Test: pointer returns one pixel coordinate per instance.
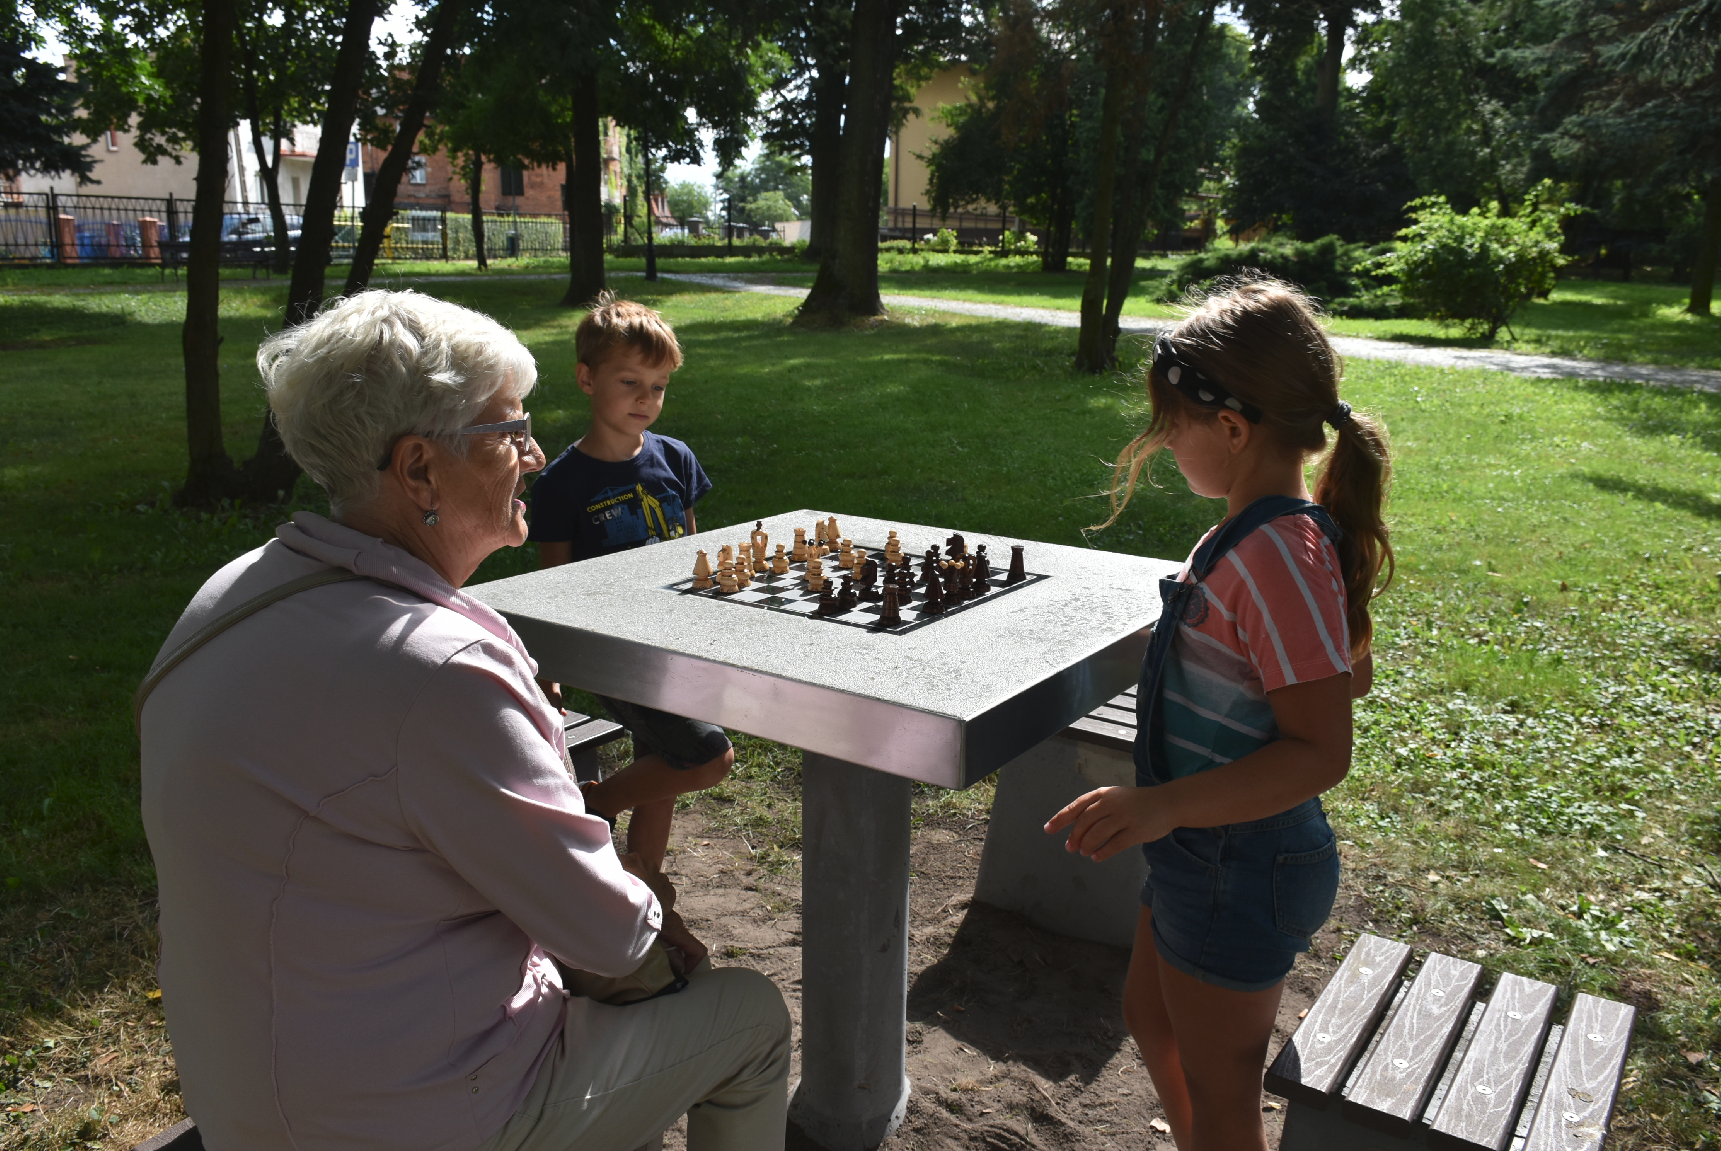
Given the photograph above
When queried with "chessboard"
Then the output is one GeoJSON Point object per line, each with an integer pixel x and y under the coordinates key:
{"type": "Point", "coordinates": [789, 593]}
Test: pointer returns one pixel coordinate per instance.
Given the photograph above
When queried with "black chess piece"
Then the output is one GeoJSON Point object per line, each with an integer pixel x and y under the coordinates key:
{"type": "Point", "coordinates": [953, 581]}
{"type": "Point", "coordinates": [827, 604]}
{"type": "Point", "coordinates": [956, 547]}
{"type": "Point", "coordinates": [929, 568]}
{"type": "Point", "coordinates": [1018, 572]}
{"type": "Point", "coordinates": [934, 604]}
{"type": "Point", "coordinates": [869, 582]}
{"type": "Point", "coordinates": [890, 616]}
{"type": "Point", "coordinates": [847, 599]}
{"type": "Point", "coordinates": [982, 572]}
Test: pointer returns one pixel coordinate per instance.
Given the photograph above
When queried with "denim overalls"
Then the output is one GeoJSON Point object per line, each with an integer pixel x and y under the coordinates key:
{"type": "Point", "coordinates": [1232, 905]}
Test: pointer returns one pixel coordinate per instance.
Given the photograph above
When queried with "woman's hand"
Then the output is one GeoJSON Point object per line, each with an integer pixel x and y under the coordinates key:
{"type": "Point", "coordinates": [676, 937]}
{"type": "Point", "coordinates": [1104, 822]}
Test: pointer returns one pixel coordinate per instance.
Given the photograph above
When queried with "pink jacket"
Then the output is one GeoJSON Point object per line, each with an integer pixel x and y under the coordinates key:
{"type": "Point", "coordinates": [366, 843]}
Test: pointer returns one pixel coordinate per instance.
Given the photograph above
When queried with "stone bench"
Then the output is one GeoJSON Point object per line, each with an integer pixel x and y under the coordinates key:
{"type": "Point", "coordinates": [1023, 869]}
{"type": "Point", "coordinates": [585, 735]}
{"type": "Point", "coordinates": [1382, 1062]}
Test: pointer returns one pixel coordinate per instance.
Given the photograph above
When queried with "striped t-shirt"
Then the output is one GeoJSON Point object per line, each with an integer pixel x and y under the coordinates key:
{"type": "Point", "coordinates": [1274, 615]}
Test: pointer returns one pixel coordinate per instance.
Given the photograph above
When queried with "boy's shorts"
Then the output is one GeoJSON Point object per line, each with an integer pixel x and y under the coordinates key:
{"type": "Point", "coordinates": [1233, 905]}
{"type": "Point", "coordinates": [683, 743]}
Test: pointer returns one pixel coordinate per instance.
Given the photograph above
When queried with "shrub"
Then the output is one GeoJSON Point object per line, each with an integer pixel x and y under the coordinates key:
{"type": "Point", "coordinates": [944, 240]}
{"type": "Point", "coordinates": [1020, 242]}
{"type": "Point", "coordinates": [1473, 270]}
{"type": "Point", "coordinates": [1328, 269]}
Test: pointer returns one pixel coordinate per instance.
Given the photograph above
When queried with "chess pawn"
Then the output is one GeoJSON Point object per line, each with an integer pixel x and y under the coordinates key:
{"type": "Point", "coordinates": [799, 554]}
{"type": "Point", "coordinates": [725, 555]}
{"type": "Point", "coordinates": [815, 573]}
{"type": "Point", "coordinates": [780, 562]}
{"type": "Point", "coordinates": [743, 568]}
{"type": "Point", "coordinates": [846, 601]}
{"type": "Point", "coordinates": [859, 561]}
{"type": "Point", "coordinates": [1018, 572]}
{"type": "Point", "coordinates": [845, 554]}
{"type": "Point", "coordinates": [761, 542]}
{"type": "Point", "coordinates": [827, 605]}
{"type": "Point", "coordinates": [726, 579]}
{"type": "Point", "coordinates": [893, 549]}
{"type": "Point", "coordinates": [702, 572]}
{"type": "Point", "coordinates": [832, 535]}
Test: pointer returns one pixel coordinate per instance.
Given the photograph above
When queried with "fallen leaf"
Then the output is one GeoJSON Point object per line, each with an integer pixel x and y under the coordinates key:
{"type": "Point", "coordinates": [106, 1059]}
{"type": "Point", "coordinates": [1694, 1057]}
{"type": "Point", "coordinates": [1160, 1125]}
{"type": "Point", "coordinates": [24, 1109]}
{"type": "Point", "coordinates": [1538, 863]}
{"type": "Point", "coordinates": [156, 994]}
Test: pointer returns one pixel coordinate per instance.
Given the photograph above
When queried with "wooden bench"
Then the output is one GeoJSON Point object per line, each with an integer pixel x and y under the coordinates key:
{"type": "Point", "coordinates": [1023, 869]}
{"type": "Point", "coordinates": [1384, 1062]}
{"type": "Point", "coordinates": [585, 735]}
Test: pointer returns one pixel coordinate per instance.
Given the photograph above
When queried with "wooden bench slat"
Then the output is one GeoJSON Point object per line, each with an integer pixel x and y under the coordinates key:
{"type": "Point", "coordinates": [182, 1136]}
{"type": "Point", "coordinates": [1578, 1101]}
{"type": "Point", "coordinates": [1480, 1112]}
{"type": "Point", "coordinates": [591, 733]}
{"type": "Point", "coordinates": [1103, 733]}
{"type": "Point", "coordinates": [1115, 715]}
{"type": "Point", "coordinates": [1393, 1087]}
{"type": "Point", "coordinates": [1312, 1065]}
{"type": "Point", "coordinates": [1126, 701]}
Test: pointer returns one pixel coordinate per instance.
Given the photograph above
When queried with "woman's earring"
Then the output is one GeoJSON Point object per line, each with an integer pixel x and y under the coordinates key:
{"type": "Point", "coordinates": [430, 518]}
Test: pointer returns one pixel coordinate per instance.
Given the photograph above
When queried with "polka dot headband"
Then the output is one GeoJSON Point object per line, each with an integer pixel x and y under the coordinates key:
{"type": "Point", "coordinates": [1197, 387]}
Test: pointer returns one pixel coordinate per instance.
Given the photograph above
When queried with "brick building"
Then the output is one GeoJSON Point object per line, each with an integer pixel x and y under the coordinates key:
{"type": "Point", "coordinates": [433, 181]}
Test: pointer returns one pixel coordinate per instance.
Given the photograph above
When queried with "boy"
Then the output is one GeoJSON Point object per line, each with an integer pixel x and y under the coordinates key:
{"type": "Point", "coordinates": [623, 486]}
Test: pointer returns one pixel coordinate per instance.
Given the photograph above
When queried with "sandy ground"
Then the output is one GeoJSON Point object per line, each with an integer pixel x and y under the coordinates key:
{"type": "Point", "coordinates": [1016, 1038]}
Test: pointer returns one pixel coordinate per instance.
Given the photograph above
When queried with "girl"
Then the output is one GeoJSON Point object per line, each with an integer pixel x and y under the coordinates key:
{"type": "Point", "coordinates": [1244, 707]}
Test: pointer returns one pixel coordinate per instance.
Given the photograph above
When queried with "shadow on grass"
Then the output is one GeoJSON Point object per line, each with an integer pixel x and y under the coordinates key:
{"type": "Point", "coordinates": [28, 325]}
{"type": "Point", "coordinates": [1658, 413]}
{"type": "Point", "coordinates": [1697, 503]}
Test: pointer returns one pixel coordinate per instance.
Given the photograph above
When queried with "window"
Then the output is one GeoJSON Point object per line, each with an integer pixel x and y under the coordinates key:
{"type": "Point", "coordinates": [417, 170]}
{"type": "Point", "coordinates": [513, 182]}
{"type": "Point", "coordinates": [298, 197]}
{"type": "Point", "coordinates": [113, 140]}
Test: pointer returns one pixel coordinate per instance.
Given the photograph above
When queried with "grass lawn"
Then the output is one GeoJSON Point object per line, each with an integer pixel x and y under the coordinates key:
{"type": "Point", "coordinates": [1536, 783]}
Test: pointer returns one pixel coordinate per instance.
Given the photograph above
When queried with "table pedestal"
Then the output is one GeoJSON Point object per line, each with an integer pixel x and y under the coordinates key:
{"type": "Point", "coordinates": [854, 954]}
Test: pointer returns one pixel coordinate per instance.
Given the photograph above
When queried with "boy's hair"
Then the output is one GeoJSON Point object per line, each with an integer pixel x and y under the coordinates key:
{"type": "Point", "coordinates": [1262, 340]}
{"type": "Point", "coordinates": [612, 323]}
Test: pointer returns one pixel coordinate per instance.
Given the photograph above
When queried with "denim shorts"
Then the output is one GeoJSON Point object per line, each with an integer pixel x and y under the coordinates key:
{"type": "Point", "coordinates": [1233, 905]}
{"type": "Point", "coordinates": [683, 743]}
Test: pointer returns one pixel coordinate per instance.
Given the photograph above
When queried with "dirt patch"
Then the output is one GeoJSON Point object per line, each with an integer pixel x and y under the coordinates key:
{"type": "Point", "coordinates": [1016, 1037]}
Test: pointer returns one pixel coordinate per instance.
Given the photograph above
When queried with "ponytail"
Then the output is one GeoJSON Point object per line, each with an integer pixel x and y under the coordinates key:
{"type": "Point", "coordinates": [1352, 487]}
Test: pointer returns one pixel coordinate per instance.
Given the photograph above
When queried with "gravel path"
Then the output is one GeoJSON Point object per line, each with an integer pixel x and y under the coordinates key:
{"type": "Point", "coordinates": [1356, 347]}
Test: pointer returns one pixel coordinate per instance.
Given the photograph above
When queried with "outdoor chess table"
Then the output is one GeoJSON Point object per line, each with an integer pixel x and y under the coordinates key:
{"type": "Point", "coordinates": [946, 702]}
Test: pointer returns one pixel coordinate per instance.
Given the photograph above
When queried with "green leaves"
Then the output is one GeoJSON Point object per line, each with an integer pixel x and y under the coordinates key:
{"type": "Point", "coordinates": [1473, 270]}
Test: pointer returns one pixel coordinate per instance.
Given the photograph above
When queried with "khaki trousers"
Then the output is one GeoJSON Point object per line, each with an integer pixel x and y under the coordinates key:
{"type": "Point", "coordinates": [717, 1052]}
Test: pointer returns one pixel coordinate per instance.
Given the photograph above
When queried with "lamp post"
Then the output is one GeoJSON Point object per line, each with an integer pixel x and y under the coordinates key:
{"type": "Point", "coordinates": [650, 211]}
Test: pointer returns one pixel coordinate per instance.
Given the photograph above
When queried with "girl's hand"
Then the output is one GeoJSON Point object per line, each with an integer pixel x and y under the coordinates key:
{"type": "Point", "coordinates": [1105, 822]}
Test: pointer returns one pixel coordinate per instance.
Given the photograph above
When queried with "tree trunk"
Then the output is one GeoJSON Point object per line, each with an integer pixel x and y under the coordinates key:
{"type": "Point", "coordinates": [210, 476]}
{"type": "Point", "coordinates": [1055, 246]}
{"type": "Point", "coordinates": [585, 197]}
{"type": "Point", "coordinates": [1139, 197]}
{"type": "Point", "coordinates": [1332, 62]}
{"type": "Point", "coordinates": [271, 473]}
{"type": "Point", "coordinates": [476, 186]}
{"type": "Point", "coordinates": [1129, 213]}
{"type": "Point", "coordinates": [1090, 343]}
{"type": "Point", "coordinates": [847, 283]}
{"type": "Point", "coordinates": [650, 209]}
{"type": "Point", "coordinates": [379, 210]}
{"type": "Point", "coordinates": [826, 153]}
{"type": "Point", "coordinates": [271, 169]}
{"type": "Point", "coordinates": [1703, 269]}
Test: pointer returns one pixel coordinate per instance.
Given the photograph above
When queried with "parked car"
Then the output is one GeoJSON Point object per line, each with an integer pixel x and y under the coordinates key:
{"type": "Point", "coordinates": [246, 237]}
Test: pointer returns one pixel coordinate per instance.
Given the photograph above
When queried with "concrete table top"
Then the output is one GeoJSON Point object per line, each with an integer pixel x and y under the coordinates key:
{"type": "Point", "coordinates": [946, 703]}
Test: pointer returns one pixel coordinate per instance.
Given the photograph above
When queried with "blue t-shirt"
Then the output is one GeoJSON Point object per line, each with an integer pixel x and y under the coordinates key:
{"type": "Point", "coordinates": [604, 507]}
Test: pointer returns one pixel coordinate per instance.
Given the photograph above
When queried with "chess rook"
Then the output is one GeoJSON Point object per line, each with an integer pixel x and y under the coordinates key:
{"type": "Point", "coordinates": [1018, 570]}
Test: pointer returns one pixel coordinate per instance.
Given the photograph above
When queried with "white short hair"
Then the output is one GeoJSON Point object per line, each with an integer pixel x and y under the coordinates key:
{"type": "Point", "coordinates": [366, 370]}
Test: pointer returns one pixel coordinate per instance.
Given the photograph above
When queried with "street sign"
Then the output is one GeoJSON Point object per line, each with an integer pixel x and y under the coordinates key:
{"type": "Point", "coordinates": [352, 153]}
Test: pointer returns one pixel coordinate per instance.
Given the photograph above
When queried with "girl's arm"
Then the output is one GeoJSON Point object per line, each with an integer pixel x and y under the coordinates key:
{"type": "Point", "coordinates": [1311, 755]}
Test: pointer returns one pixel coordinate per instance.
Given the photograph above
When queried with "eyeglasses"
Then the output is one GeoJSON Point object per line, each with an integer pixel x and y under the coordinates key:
{"type": "Point", "coordinates": [519, 433]}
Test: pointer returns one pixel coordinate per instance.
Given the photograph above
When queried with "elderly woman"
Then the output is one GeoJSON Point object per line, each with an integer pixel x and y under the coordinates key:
{"type": "Point", "coordinates": [368, 846]}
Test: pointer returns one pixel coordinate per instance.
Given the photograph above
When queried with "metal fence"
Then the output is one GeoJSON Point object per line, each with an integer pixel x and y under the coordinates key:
{"type": "Point", "coordinates": [48, 228]}
{"type": "Point", "coordinates": [973, 228]}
